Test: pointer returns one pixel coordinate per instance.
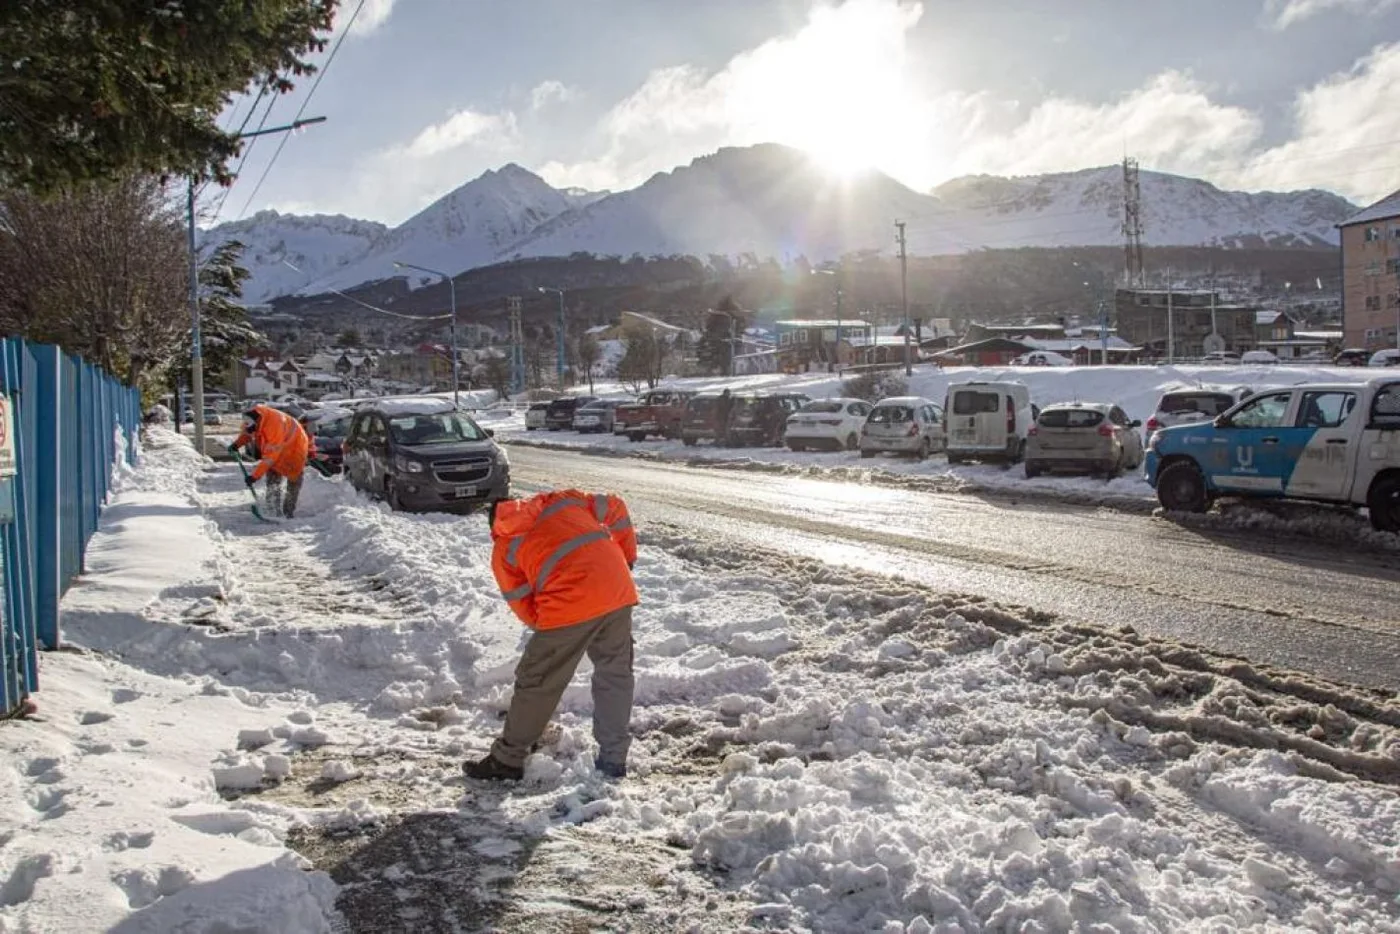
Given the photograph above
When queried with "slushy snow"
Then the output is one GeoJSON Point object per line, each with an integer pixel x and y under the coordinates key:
{"type": "Point", "coordinates": [816, 749]}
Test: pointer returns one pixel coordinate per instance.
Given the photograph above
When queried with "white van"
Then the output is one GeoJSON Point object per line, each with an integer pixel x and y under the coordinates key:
{"type": "Point", "coordinates": [987, 421]}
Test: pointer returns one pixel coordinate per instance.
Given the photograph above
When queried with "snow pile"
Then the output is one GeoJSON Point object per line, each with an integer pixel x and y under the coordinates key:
{"type": "Point", "coordinates": [849, 751]}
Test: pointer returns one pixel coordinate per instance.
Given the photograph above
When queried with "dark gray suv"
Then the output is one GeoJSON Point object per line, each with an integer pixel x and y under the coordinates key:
{"type": "Point", "coordinates": [422, 454]}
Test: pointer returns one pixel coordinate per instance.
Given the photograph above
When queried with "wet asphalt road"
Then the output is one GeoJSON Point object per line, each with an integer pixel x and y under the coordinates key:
{"type": "Point", "coordinates": [1314, 607]}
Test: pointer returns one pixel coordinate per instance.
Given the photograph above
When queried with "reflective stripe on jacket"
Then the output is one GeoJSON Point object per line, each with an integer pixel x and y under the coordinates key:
{"type": "Point", "coordinates": [557, 563]}
{"type": "Point", "coordinates": [283, 444]}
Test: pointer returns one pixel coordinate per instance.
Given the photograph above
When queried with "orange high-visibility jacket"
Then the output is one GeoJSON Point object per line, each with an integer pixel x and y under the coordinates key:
{"type": "Point", "coordinates": [564, 557]}
{"type": "Point", "coordinates": [283, 444]}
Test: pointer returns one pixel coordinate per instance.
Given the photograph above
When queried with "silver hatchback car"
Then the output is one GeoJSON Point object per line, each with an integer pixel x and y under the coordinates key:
{"type": "Point", "coordinates": [903, 425]}
{"type": "Point", "coordinates": [1085, 437]}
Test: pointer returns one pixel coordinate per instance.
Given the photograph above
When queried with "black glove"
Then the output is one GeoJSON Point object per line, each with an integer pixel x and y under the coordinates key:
{"type": "Point", "coordinates": [233, 449]}
{"type": "Point", "coordinates": [250, 481]}
{"type": "Point", "coordinates": [631, 565]}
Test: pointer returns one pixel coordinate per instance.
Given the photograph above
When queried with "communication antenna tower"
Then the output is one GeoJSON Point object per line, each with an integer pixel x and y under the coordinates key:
{"type": "Point", "coordinates": [1132, 225]}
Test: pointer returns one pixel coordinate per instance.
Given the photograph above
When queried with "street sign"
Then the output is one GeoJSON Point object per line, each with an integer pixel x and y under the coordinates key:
{"type": "Point", "coordinates": [1213, 343]}
{"type": "Point", "coordinates": [8, 466]}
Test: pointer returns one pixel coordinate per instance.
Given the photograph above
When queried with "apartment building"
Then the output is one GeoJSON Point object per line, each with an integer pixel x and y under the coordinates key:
{"type": "Point", "coordinates": [1371, 275]}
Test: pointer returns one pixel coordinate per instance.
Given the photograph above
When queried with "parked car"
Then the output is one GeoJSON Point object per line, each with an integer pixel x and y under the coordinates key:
{"type": "Point", "coordinates": [659, 412]}
{"type": "Point", "coordinates": [1352, 356]}
{"type": "Point", "coordinates": [212, 416]}
{"type": "Point", "coordinates": [422, 454]}
{"type": "Point", "coordinates": [1258, 357]}
{"type": "Point", "coordinates": [1083, 437]}
{"type": "Point", "coordinates": [560, 414]}
{"type": "Point", "coordinates": [760, 419]}
{"type": "Point", "coordinates": [1042, 358]}
{"type": "Point", "coordinates": [700, 422]}
{"type": "Point", "coordinates": [903, 425]}
{"type": "Point", "coordinates": [328, 427]}
{"type": "Point", "coordinates": [534, 415]}
{"type": "Point", "coordinates": [988, 421]}
{"type": "Point", "coordinates": [833, 423]}
{"type": "Point", "coordinates": [1221, 356]}
{"type": "Point", "coordinates": [596, 416]}
{"type": "Point", "coordinates": [1385, 358]}
{"type": "Point", "coordinates": [1179, 406]}
{"type": "Point", "coordinates": [1335, 443]}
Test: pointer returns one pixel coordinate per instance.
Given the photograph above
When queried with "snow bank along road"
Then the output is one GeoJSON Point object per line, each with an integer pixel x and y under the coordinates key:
{"type": "Point", "coordinates": [818, 747]}
{"type": "Point", "coordinates": [1325, 607]}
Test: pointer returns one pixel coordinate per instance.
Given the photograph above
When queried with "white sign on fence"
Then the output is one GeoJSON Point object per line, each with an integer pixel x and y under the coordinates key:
{"type": "Point", "coordinates": [8, 467]}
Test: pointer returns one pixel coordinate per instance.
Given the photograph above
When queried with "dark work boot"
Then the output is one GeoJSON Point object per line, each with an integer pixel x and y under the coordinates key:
{"type": "Point", "coordinates": [492, 769]}
{"type": "Point", "coordinates": [611, 769]}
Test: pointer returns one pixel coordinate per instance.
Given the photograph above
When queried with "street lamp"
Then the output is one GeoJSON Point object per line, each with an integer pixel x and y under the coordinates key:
{"type": "Point", "coordinates": [559, 363]}
{"type": "Point", "coordinates": [196, 337]}
{"type": "Point", "coordinates": [452, 290]}
{"type": "Point", "coordinates": [837, 274]}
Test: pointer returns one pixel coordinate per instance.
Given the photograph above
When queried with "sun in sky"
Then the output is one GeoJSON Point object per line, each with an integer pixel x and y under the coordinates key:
{"type": "Point", "coordinates": [837, 89]}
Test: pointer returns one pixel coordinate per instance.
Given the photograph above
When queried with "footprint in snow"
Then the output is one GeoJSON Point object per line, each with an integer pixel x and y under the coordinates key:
{"type": "Point", "coordinates": [125, 695]}
{"type": "Point", "coordinates": [19, 887]}
{"type": "Point", "coordinates": [91, 717]}
{"type": "Point", "coordinates": [128, 840]}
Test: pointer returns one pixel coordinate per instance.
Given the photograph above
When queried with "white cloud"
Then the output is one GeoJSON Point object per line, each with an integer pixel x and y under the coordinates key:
{"type": "Point", "coordinates": [550, 92]}
{"type": "Point", "coordinates": [1345, 135]}
{"type": "Point", "coordinates": [1284, 13]}
{"type": "Point", "coordinates": [394, 182]}
{"type": "Point", "coordinates": [374, 14]}
{"type": "Point", "coordinates": [841, 86]}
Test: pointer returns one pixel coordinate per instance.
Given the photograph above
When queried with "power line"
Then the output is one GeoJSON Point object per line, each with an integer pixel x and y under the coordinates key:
{"type": "Point", "coordinates": [302, 109]}
{"type": "Point", "coordinates": [375, 308]}
{"type": "Point", "coordinates": [247, 150]}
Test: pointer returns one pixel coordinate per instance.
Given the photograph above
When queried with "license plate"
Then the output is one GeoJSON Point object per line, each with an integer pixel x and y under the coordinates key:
{"type": "Point", "coordinates": [462, 491]}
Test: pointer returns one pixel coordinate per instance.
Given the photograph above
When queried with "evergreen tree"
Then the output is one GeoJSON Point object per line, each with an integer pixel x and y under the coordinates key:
{"type": "Point", "coordinates": [98, 89]}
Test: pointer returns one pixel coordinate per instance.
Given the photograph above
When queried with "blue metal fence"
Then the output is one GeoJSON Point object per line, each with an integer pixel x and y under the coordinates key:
{"type": "Point", "coordinates": [66, 414]}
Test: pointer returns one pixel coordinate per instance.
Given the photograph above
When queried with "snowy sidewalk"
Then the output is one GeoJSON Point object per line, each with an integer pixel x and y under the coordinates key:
{"type": "Point", "coordinates": [816, 749]}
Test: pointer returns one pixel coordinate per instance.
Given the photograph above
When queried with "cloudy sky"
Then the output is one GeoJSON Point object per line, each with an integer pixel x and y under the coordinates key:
{"type": "Point", "coordinates": [426, 94]}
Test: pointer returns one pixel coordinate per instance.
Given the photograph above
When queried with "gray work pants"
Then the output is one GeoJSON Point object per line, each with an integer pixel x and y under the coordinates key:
{"type": "Point", "coordinates": [545, 669]}
{"type": "Point", "coordinates": [280, 502]}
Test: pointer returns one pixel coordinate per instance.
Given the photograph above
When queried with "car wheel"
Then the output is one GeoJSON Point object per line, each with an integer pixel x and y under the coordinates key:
{"type": "Point", "coordinates": [529, 427]}
{"type": "Point", "coordinates": [636, 436]}
{"type": "Point", "coordinates": [1181, 487]}
{"type": "Point", "coordinates": [955, 458]}
{"type": "Point", "coordinates": [925, 448]}
{"type": "Point", "coordinates": [1384, 503]}
{"type": "Point", "coordinates": [1115, 469]}
{"type": "Point", "coordinates": [1033, 470]}
{"type": "Point", "coordinates": [852, 442]}
{"type": "Point", "coordinates": [688, 442]}
{"type": "Point", "coordinates": [391, 495]}
{"type": "Point", "coordinates": [865, 453]}
{"type": "Point", "coordinates": [796, 446]}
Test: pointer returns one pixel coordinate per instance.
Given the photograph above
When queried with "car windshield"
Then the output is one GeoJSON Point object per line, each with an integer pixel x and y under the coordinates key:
{"type": "Point", "coordinates": [1186, 403]}
{"type": "Point", "coordinates": [975, 403]}
{"type": "Point", "coordinates": [821, 407]}
{"type": "Point", "coordinates": [701, 405]}
{"type": "Point", "coordinates": [1070, 418]}
{"type": "Point", "coordinates": [891, 414]}
{"type": "Point", "coordinates": [331, 427]}
{"type": "Point", "coordinates": [440, 428]}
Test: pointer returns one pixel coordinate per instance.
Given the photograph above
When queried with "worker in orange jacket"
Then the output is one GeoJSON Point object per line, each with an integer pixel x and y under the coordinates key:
{"type": "Point", "coordinates": [563, 561]}
{"type": "Point", "coordinates": [283, 446]}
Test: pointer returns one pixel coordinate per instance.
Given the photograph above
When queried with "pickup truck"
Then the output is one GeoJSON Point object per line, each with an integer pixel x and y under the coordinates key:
{"type": "Point", "coordinates": [658, 412]}
{"type": "Point", "coordinates": [1331, 443]}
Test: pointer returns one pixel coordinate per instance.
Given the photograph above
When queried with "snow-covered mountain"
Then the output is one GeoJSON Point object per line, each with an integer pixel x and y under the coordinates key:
{"type": "Point", "coordinates": [315, 245]}
{"type": "Point", "coordinates": [771, 201]}
{"type": "Point", "coordinates": [1085, 208]}
{"type": "Point", "coordinates": [469, 227]}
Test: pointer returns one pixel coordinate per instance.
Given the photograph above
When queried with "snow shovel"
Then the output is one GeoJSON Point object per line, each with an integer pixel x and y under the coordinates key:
{"type": "Point", "coordinates": [244, 470]}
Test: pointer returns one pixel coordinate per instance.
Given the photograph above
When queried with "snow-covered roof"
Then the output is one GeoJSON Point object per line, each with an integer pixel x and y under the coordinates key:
{"type": "Point", "coordinates": [1268, 317]}
{"type": "Point", "coordinates": [822, 323]}
{"type": "Point", "coordinates": [1386, 208]}
{"type": "Point", "coordinates": [412, 405]}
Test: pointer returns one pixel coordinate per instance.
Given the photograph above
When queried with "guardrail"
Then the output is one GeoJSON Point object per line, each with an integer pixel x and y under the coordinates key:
{"type": "Point", "coordinates": [65, 415]}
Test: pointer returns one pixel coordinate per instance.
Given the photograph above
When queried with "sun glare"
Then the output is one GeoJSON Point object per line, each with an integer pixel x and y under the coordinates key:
{"type": "Point", "coordinates": [836, 89]}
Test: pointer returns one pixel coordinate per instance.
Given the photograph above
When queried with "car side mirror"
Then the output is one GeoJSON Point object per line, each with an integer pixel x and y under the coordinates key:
{"type": "Point", "coordinates": [489, 432]}
{"type": "Point", "coordinates": [1220, 421]}
{"type": "Point", "coordinates": [1135, 423]}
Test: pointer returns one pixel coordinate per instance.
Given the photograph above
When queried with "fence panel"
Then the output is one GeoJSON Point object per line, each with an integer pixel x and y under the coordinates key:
{"type": "Point", "coordinates": [66, 414]}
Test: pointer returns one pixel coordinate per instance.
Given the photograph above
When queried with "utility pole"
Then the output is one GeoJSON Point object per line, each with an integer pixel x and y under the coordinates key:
{"type": "Point", "coordinates": [904, 294]}
{"type": "Point", "coordinates": [452, 292]}
{"type": "Point", "coordinates": [517, 344]}
{"type": "Point", "coordinates": [1171, 329]}
{"type": "Point", "coordinates": [196, 341]}
{"type": "Point", "coordinates": [732, 349]}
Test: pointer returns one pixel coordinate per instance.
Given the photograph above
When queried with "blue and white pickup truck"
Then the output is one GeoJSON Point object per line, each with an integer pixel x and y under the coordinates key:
{"type": "Point", "coordinates": [1329, 443]}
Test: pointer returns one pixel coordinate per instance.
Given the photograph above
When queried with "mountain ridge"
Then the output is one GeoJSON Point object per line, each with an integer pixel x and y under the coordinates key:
{"type": "Point", "coordinates": [770, 201]}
